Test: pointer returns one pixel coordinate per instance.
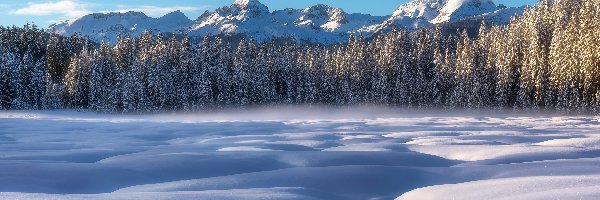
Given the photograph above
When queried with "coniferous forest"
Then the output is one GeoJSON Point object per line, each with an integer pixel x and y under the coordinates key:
{"type": "Point", "coordinates": [547, 59]}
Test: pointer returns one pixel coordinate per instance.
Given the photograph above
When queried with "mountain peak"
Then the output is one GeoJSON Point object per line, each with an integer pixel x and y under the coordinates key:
{"type": "Point", "coordinates": [177, 12]}
{"type": "Point", "coordinates": [175, 15]}
{"type": "Point", "coordinates": [319, 7]}
{"type": "Point", "coordinates": [250, 4]}
{"type": "Point", "coordinates": [247, 9]}
{"type": "Point", "coordinates": [321, 11]}
{"type": "Point", "coordinates": [420, 9]}
{"type": "Point", "coordinates": [175, 18]}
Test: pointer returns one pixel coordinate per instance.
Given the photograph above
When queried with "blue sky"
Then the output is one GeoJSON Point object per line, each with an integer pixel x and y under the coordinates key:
{"type": "Point", "coordinates": [46, 12]}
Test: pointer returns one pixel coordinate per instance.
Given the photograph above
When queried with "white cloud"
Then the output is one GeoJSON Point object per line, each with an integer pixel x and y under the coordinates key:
{"type": "Point", "coordinates": [71, 9]}
{"type": "Point", "coordinates": [155, 11]}
{"type": "Point", "coordinates": [66, 8]}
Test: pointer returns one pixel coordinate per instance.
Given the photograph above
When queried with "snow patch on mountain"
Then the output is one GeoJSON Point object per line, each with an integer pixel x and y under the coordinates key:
{"type": "Point", "coordinates": [454, 10]}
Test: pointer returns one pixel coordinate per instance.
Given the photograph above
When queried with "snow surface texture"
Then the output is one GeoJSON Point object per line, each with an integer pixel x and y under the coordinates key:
{"type": "Point", "coordinates": [305, 153]}
{"type": "Point", "coordinates": [316, 24]}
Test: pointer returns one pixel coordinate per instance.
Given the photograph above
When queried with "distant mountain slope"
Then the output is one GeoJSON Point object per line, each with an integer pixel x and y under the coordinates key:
{"type": "Point", "coordinates": [472, 24]}
{"type": "Point", "coordinates": [106, 27]}
{"type": "Point", "coordinates": [450, 15]}
{"type": "Point", "coordinates": [439, 11]}
{"type": "Point", "coordinates": [316, 24]}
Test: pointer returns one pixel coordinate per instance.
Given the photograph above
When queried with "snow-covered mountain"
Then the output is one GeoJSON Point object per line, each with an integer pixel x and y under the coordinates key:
{"type": "Point", "coordinates": [106, 27]}
{"type": "Point", "coordinates": [439, 11]}
{"type": "Point", "coordinates": [425, 13]}
{"type": "Point", "coordinates": [317, 24]}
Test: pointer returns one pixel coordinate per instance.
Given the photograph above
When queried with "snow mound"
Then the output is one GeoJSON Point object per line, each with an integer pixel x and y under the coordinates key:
{"type": "Point", "coordinates": [525, 188]}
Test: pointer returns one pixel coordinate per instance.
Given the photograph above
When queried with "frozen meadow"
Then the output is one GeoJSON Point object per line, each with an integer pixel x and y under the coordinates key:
{"type": "Point", "coordinates": [299, 153]}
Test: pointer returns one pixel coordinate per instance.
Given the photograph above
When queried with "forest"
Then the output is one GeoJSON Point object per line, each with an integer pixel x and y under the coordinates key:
{"type": "Point", "coordinates": [546, 59]}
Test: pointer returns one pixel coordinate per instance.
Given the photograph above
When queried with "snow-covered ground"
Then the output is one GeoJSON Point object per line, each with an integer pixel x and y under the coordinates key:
{"type": "Point", "coordinates": [303, 153]}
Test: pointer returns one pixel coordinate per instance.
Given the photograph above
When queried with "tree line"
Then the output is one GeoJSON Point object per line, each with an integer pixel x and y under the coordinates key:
{"type": "Point", "coordinates": [549, 58]}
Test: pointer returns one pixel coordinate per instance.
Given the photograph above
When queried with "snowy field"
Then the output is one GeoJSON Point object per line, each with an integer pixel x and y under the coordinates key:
{"type": "Point", "coordinates": [361, 153]}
